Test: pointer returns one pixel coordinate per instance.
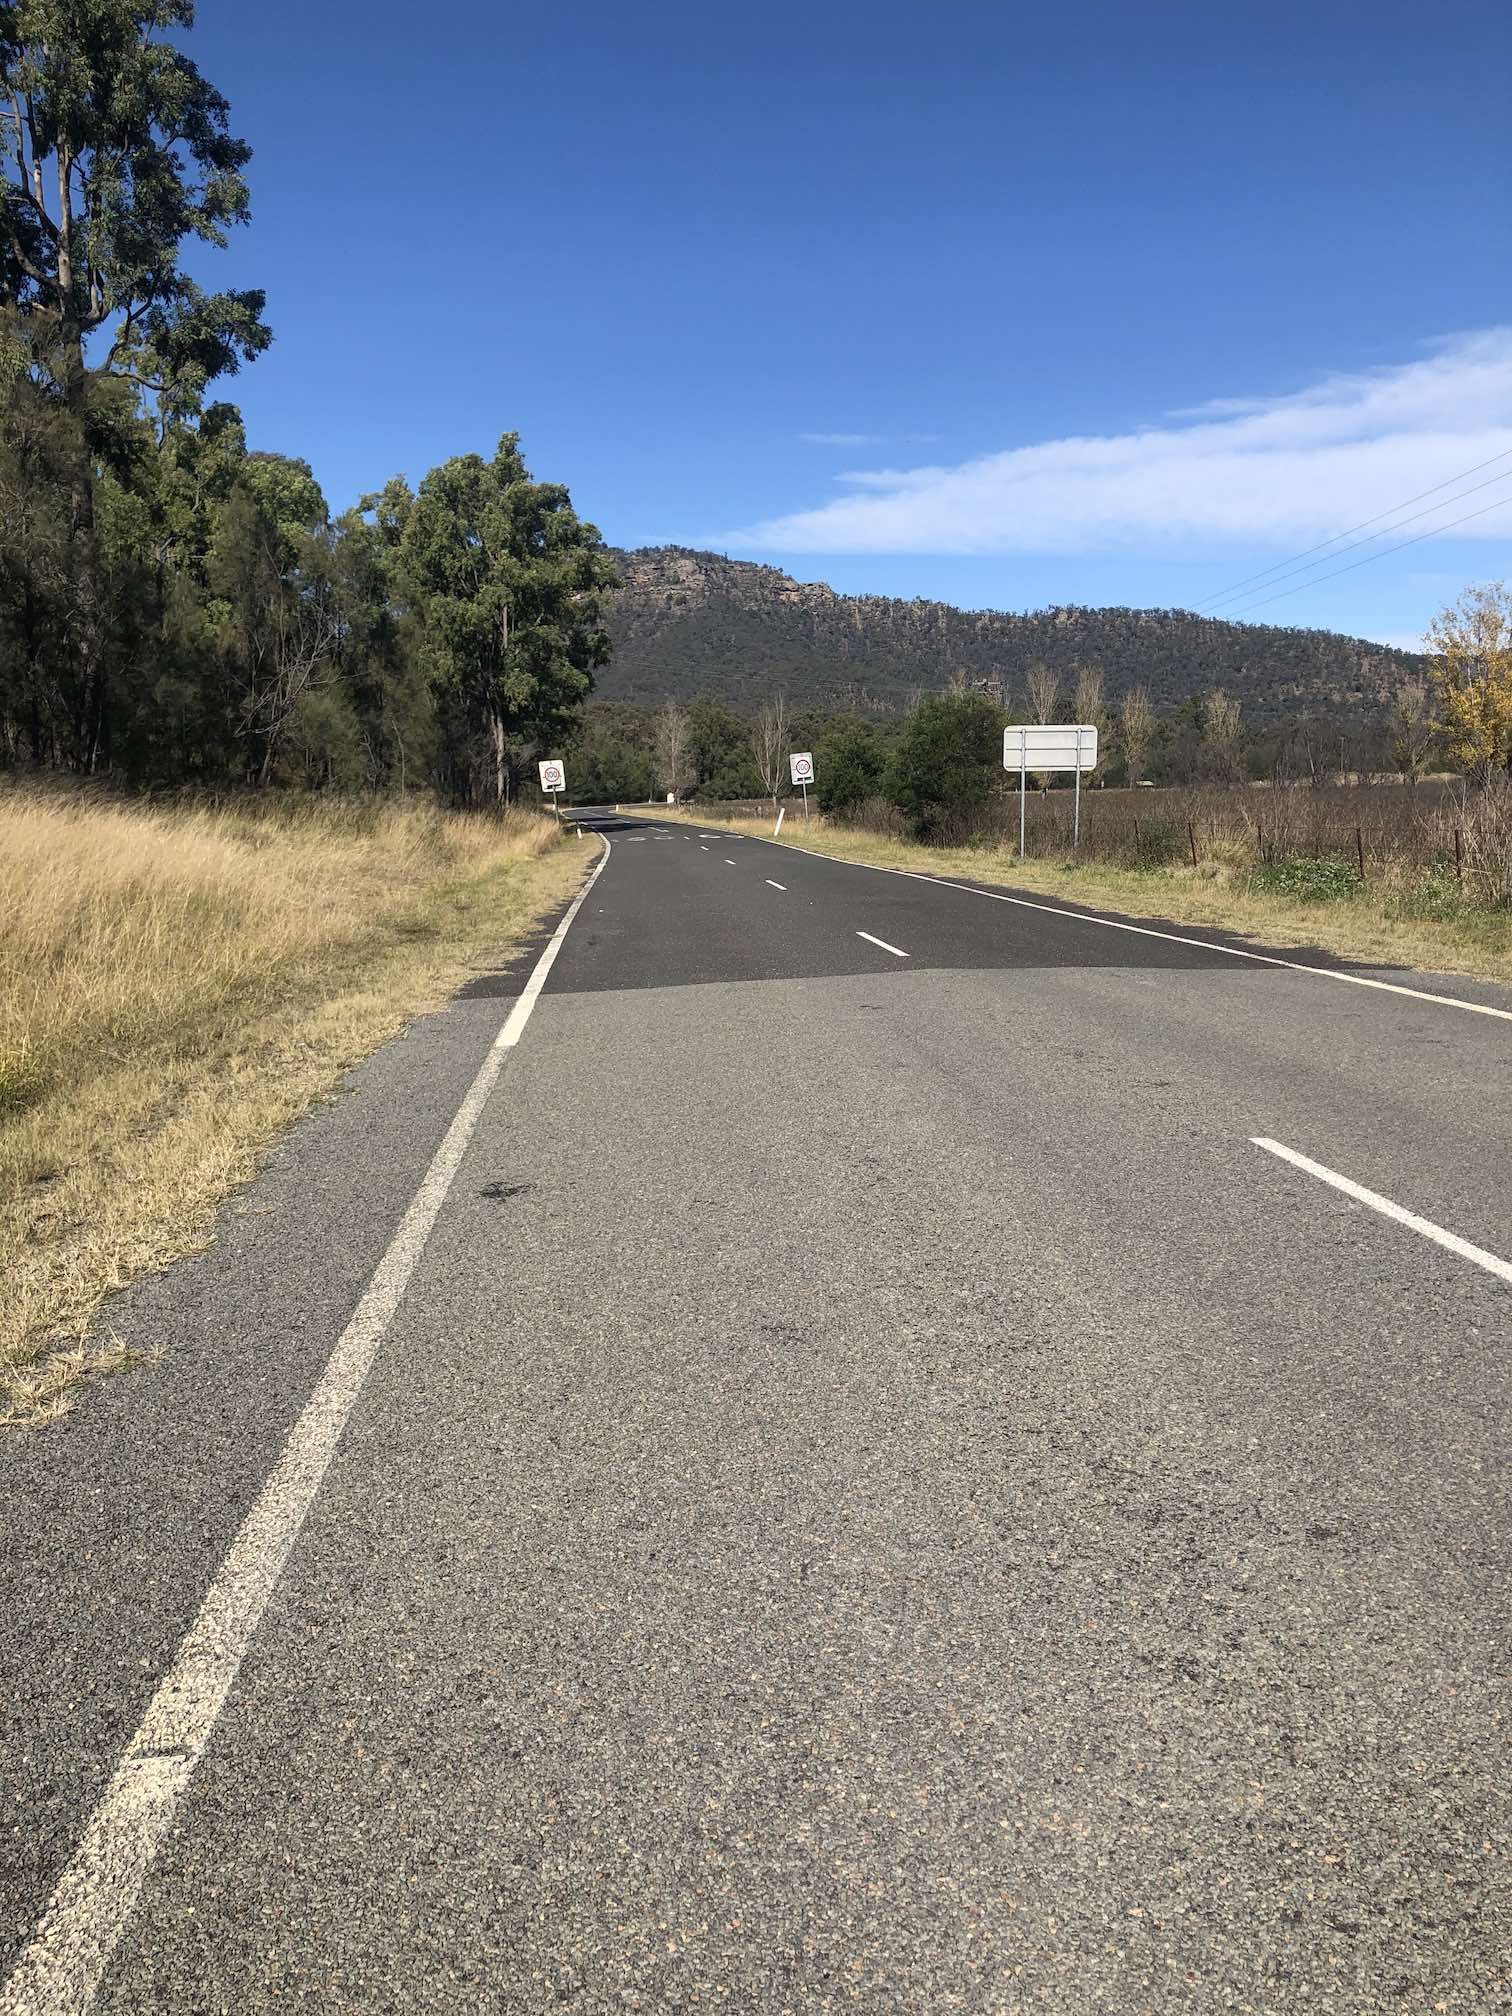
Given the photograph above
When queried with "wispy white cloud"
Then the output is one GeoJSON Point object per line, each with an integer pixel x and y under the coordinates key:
{"type": "Point", "coordinates": [864, 440]}
{"type": "Point", "coordinates": [1280, 471]}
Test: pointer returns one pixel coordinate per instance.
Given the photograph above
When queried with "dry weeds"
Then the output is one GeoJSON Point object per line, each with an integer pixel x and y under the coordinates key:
{"type": "Point", "coordinates": [177, 985]}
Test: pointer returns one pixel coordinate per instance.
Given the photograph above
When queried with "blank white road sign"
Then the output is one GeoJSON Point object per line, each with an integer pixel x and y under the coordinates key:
{"type": "Point", "coordinates": [802, 766]}
{"type": "Point", "coordinates": [553, 776]}
{"type": "Point", "coordinates": [1051, 747]}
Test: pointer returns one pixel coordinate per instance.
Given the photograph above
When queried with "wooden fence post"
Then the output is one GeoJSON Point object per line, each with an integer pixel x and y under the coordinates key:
{"type": "Point", "coordinates": [1459, 857]}
{"type": "Point", "coordinates": [1360, 851]}
{"type": "Point", "coordinates": [1192, 837]}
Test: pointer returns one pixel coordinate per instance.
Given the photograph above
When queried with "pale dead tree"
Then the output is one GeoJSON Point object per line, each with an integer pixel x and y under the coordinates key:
{"type": "Point", "coordinates": [1411, 729]}
{"type": "Point", "coordinates": [1044, 691]}
{"type": "Point", "coordinates": [672, 748]}
{"type": "Point", "coordinates": [1136, 731]}
{"type": "Point", "coordinates": [1092, 712]}
{"type": "Point", "coordinates": [769, 745]}
{"type": "Point", "coordinates": [1221, 738]}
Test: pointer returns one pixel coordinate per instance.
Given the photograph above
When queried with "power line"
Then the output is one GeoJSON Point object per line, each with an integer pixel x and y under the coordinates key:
{"type": "Point", "coordinates": [1475, 468]}
{"type": "Point", "coordinates": [1416, 540]}
{"type": "Point", "coordinates": [1442, 505]}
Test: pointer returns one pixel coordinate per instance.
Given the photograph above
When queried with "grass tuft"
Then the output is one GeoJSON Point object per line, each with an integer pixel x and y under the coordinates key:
{"type": "Point", "coordinates": [1304, 881]}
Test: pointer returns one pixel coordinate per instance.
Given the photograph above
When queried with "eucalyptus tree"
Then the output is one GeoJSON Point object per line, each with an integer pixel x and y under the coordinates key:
{"type": "Point", "coordinates": [511, 585]}
{"type": "Point", "coordinates": [114, 154]}
{"type": "Point", "coordinates": [381, 666]}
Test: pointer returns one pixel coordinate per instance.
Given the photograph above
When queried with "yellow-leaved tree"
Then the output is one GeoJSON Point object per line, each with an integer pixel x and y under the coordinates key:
{"type": "Point", "coordinates": [1472, 645]}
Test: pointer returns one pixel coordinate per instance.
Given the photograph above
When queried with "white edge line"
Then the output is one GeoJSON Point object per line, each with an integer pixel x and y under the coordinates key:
{"type": "Point", "coordinates": [776, 885]}
{"type": "Point", "coordinates": [896, 951]}
{"type": "Point", "coordinates": [1141, 931]}
{"type": "Point", "coordinates": [61, 1968]}
{"type": "Point", "coordinates": [1450, 1240]}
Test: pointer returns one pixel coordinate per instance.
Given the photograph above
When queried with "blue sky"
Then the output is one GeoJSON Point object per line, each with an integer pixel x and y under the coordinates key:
{"type": "Point", "coordinates": [1007, 305]}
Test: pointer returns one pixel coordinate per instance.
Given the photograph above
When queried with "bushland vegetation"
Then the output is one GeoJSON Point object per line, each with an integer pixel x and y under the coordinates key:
{"type": "Point", "coordinates": [177, 605]}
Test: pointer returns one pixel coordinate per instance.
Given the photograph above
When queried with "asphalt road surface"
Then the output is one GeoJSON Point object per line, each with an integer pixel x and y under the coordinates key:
{"type": "Point", "coordinates": [837, 1475]}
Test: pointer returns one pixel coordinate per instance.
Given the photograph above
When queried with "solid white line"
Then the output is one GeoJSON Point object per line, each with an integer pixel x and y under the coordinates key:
{"type": "Point", "coordinates": [1149, 931]}
{"type": "Point", "coordinates": [776, 885]}
{"type": "Point", "coordinates": [60, 1971]}
{"type": "Point", "coordinates": [883, 943]}
{"type": "Point", "coordinates": [1450, 1240]}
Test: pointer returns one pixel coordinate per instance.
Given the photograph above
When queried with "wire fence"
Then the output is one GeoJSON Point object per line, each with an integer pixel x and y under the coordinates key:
{"type": "Point", "coordinates": [1451, 835]}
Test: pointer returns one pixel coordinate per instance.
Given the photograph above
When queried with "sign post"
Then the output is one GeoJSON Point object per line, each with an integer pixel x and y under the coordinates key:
{"type": "Point", "coordinates": [801, 765]}
{"type": "Point", "coordinates": [554, 780]}
{"type": "Point", "coordinates": [1050, 747]}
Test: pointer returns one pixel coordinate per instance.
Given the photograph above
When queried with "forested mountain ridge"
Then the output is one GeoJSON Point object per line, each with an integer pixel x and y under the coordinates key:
{"type": "Point", "coordinates": [685, 623]}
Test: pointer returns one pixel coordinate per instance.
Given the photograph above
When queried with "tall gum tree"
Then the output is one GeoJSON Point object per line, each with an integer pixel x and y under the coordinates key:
{"type": "Point", "coordinates": [511, 583]}
{"type": "Point", "coordinates": [115, 152]}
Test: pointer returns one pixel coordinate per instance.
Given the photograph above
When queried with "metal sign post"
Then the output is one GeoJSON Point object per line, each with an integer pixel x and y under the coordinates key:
{"type": "Point", "coordinates": [801, 769]}
{"type": "Point", "coordinates": [1049, 746]}
{"type": "Point", "coordinates": [554, 780]}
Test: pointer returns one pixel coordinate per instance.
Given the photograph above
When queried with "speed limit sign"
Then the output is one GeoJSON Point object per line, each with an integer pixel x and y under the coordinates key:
{"type": "Point", "coordinates": [553, 776]}
{"type": "Point", "coordinates": [802, 766]}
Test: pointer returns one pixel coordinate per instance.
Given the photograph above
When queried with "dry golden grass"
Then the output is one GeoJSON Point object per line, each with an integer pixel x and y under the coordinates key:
{"type": "Point", "coordinates": [176, 986]}
{"type": "Point", "coordinates": [1378, 927]}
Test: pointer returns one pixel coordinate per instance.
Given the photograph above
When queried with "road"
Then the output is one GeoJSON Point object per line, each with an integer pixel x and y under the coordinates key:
{"type": "Point", "coordinates": [868, 1490]}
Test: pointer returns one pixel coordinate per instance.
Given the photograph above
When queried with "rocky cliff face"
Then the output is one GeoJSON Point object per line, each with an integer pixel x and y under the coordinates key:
{"type": "Point", "coordinates": [686, 623]}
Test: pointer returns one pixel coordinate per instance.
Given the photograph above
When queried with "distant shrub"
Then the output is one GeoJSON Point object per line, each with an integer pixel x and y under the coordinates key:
{"type": "Point", "coordinates": [1158, 843]}
{"type": "Point", "coordinates": [1307, 881]}
{"type": "Point", "coordinates": [1436, 897]}
{"type": "Point", "coordinates": [945, 764]}
{"type": "Point", "coordinates": [880, 815]}
{"type": "Point", "coordinates": [850, 763]}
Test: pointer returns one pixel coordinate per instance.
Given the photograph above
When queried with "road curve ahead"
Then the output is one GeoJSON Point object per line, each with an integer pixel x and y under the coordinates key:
{"type": "Point", "coordinates": [928, 1455]}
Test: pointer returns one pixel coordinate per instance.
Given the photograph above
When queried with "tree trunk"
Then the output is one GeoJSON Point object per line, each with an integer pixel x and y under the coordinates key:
{"type": "Point", "coordinates": [496, 730]}
{"type": "Point", "coordinates": [31, 633]}
{"type": "Point", "coordinates": [90, 716]}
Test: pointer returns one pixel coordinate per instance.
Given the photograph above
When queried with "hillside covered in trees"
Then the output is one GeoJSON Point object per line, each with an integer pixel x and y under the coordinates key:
{"type": "Point", "coordinates": [686, 623]}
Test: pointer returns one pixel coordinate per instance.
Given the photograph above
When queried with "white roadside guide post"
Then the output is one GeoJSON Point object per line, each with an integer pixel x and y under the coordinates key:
{"type": "Point", "coordinates": [554, 780]}
{"type": "Point", "coordinates": [802, 767]}
{"type": "Point", "coordinates": [1069, 746]}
